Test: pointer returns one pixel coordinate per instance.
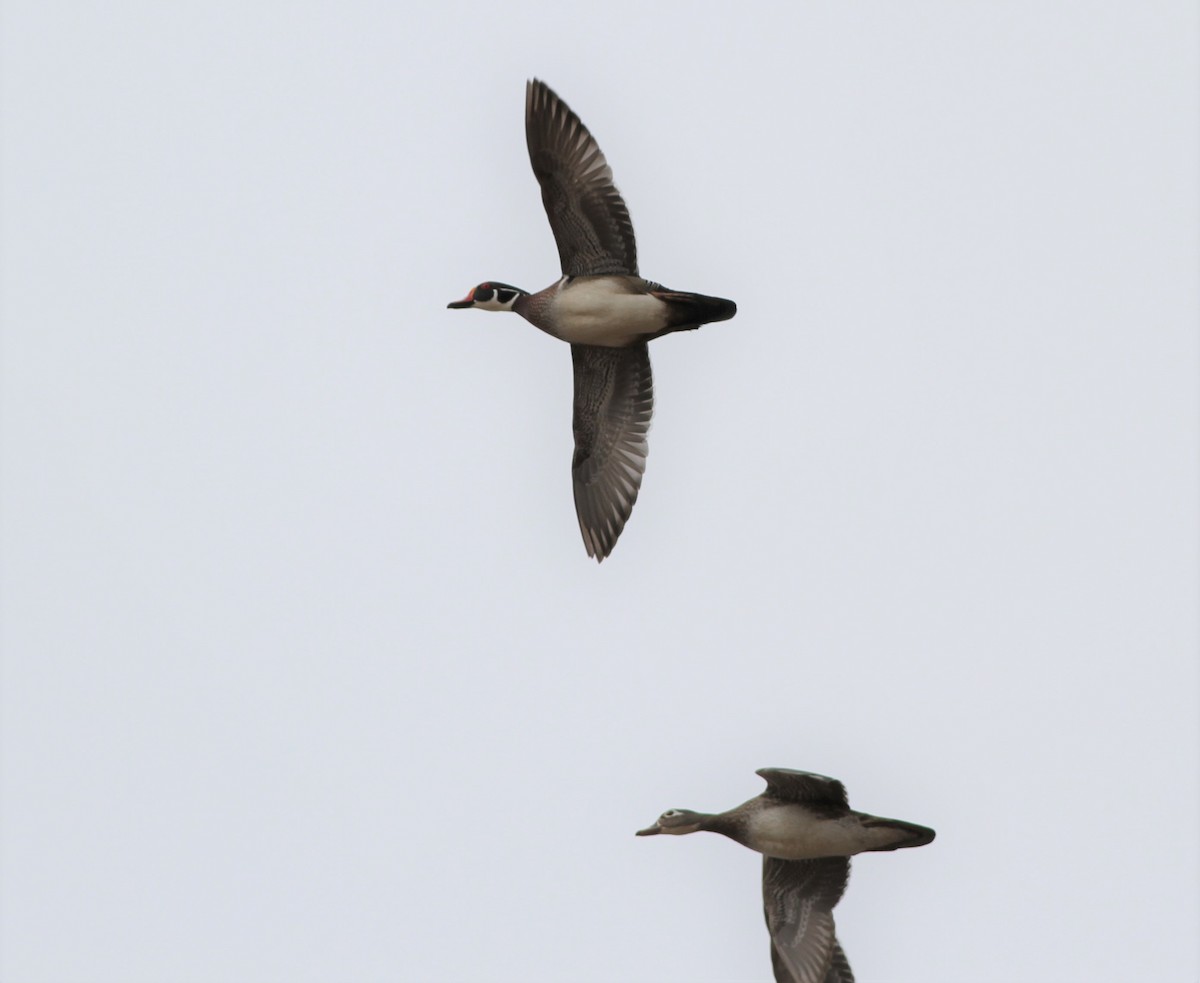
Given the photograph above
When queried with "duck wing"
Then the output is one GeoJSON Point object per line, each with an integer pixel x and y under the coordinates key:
{"type": "Point", "coordinates": [804, 787]}
{"type": "Point", "coordinates": [587, 214]}
{"type": "Point", "coordinates": [798, 901]}
{"type": "Point", "coordinates": [614, 400]}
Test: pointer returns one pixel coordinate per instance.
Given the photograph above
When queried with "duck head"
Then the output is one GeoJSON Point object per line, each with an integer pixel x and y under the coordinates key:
{"type": "Point", "coordinates": [491, 296]}
{"type": "Point", "coordinates": [675, 822]}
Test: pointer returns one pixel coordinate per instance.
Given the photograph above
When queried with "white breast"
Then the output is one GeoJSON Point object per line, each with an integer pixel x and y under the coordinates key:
{"type": "Point", "coordinates": [792, 833]}
{"type": "Point", "coordinates": [601, 312]}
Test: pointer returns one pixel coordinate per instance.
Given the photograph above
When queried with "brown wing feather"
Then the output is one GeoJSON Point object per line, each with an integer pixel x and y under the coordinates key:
{"type": "Point", "coordinates": [614, 400]}
{"type": "Point", "coordinates": [839, 967]}
{"type": "Point", "coordinates": [798, 901]}
{"type": "Point", "coordinates": [587, 214]}
{"type": "Point", "coordinates": [805, 787]}
{"type": "Point", "coordinates": [838, 972]}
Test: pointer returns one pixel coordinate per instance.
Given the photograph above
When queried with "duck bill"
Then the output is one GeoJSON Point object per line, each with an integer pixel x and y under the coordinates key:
{"type": "Point", "coordinates": [467, 301]}
{"type": "Point", "coordinates": [649, 831]}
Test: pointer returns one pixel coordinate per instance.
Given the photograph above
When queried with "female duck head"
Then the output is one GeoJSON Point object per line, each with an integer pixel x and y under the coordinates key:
{"type": "Point", "coordinates": [675, 822]}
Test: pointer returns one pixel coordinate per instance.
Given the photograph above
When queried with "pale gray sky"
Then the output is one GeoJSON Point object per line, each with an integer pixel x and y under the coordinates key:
{"type": "Point", "coordinates": [307, 676]}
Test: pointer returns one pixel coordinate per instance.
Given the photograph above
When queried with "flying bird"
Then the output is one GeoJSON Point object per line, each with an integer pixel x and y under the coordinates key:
{"type": "Point", "coordinates": [807, 832]}
{"type": "Point", "coordinates": [602, 308]}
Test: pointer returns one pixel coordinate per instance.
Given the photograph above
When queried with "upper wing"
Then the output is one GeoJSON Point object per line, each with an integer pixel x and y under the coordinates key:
{"type": "Point", "coordinates": [805, 787]}
{"type": "Point", "coordinates": [798, 901]}
{"type": "Point", "coordinates": [614, 399]}
{"type": "Point", "coordinates": [587, 214]}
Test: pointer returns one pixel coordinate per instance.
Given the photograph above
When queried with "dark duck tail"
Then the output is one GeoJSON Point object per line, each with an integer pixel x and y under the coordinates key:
{"type": "Point", "coordinates": [692, 310]}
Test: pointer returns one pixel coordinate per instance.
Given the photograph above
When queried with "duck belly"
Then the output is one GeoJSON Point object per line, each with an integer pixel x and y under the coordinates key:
{"type": "Point", "coordinates": [605, 312]}
{"type": "Point", "coordinates": [794, 834]}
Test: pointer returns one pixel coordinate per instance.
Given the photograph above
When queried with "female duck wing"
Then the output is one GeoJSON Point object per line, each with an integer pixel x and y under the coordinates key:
{"type": "Point", "coordinates": [804, 787]}
{"type": "Point", "coordinates": [798, 901]}
{"type": "Point", "coordinates": [614, 400]}
{"type": "Point", "coordinates": [587, 214]}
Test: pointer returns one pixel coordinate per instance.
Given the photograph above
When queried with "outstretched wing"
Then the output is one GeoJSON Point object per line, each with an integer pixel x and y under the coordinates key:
{"type": "Point", "coordinates": [587, 214]}
{"type": "Point", "coordinates": [798, 901]}
{"type": "Point", "coordinates": [614, 399]}
{"type": "Point", "coordinates": [805, 787]}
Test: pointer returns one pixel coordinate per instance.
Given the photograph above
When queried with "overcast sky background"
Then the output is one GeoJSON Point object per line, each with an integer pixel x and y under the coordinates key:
{"type": "Point", "coordinates": [307, 676]}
